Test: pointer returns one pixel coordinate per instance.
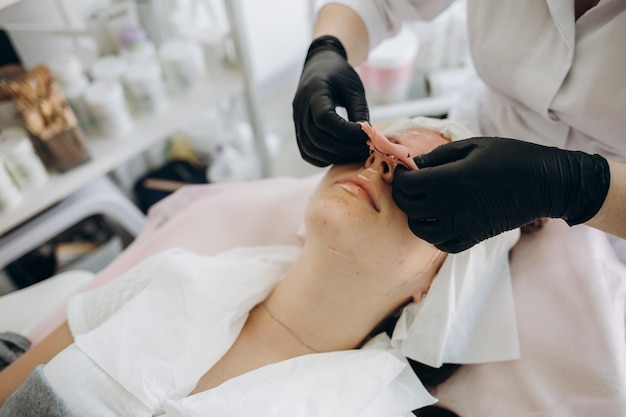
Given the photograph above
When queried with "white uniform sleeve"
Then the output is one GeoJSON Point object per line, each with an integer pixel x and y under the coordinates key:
{"type": "Point", "coordinates": [88, 310]}
{"type": "Point", "coordinates": [384, 18]}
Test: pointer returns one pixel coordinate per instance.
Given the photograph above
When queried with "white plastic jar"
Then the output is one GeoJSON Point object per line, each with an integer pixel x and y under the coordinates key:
{"type": "Point", "coordinates": [20, 158]}
{"type": "Point", "coordinates": [214, 42]}
{"type": "Point", "coordinates": [10, 196]}
{"type": "Point", "coordinates": [75, 96]}
{"type": "Point", "coordinates": [182, 62]}
{"type": "Point", "coordinates": [145, 87]}
{"type": "Point", "coordinates": [67, 70]}
{"type": "Point", "coordinates": [140, 52]}
{"type": "Point", "coordinates": [108, 67]}
{"type": "Point", "coordinates": [107, 104]}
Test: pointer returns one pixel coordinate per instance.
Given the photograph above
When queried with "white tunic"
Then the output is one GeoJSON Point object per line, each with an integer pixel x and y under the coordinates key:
{"type": "Point", "coordinates": [143, 341]}
{"type": "Point", "coordinates": [547, 78]}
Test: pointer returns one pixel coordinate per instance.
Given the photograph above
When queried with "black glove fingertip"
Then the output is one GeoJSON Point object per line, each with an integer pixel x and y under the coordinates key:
{"type": "Point", "coordinates": [454, 246]}
{"type": "Point", "coordinates": [400, 171]}
{"type": "Point", "coordinates": [420, 161]}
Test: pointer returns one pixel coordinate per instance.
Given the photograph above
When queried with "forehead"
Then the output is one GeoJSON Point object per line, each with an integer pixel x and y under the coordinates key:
{"type": "Point", "coordinates": [417, 139]}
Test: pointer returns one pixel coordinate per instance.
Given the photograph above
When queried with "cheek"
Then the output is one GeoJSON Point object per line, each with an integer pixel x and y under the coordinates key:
{"type": "Point", "coordinates": [398, 242]}
{"type": "Point", "coordinates": [398, 224]}
{"type": "Point", "coordinates": [340, 222]}
{"type": "Point", "coordinates": [336, 223]}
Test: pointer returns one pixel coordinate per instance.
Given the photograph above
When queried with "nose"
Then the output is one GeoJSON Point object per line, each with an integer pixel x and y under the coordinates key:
{"type": "Point", "coordinates": [381, 164]}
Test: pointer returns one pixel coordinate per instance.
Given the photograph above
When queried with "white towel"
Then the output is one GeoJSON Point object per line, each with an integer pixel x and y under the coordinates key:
{"type": "Point", "coordinates": [468, 314]}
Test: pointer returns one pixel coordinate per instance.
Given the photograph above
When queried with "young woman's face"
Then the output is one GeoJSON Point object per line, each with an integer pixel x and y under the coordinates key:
{"type": "Point", "coordinates": [352, 211]}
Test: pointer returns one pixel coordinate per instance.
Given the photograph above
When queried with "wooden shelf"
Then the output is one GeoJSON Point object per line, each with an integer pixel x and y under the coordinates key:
{"type": "Point", "coordinates": [107, 153]}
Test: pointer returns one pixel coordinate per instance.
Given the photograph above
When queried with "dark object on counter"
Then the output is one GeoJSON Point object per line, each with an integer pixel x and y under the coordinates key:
{"type": "Point", "coordinates": [46, 260]}
{"type": "Point", "coordinates": [163, 181]}
{"type": "Point", "coordinates": [8, 54]}
{"type": "Point", "coordinates": [12, 346]}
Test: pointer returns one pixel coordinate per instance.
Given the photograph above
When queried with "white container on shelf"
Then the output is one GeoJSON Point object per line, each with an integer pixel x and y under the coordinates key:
{"type": "Point", "coordinates": [66, 69]}
{"type": "Point", "coordinates": [110, 67]}
{"type": "Point", "coordinates": [387, 73]}
{"type": "Point", "coordinates": [145, 87]}
{"type": "Point", "coordinates": [107, 104]}
{"type": "Point", "coordinates": [232, 165]}
{"type": "Point", "coordinates": [10, 196]}
{"type": "Point", "coordinates": [214, 43]}
{"type": "Point", "coordinates": [136, 46]}
{"type": "Point", "coordinates": [75, 96]}
{"type": "Point", "coordinates": [140, 52]}
{"type": "Point", "coordinates": [20, 158]}
{"type": "Point", "coordinates": [182, 61]}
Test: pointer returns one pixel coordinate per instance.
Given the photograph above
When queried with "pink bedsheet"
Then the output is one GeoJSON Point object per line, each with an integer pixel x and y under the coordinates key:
{"type": "Point", "coordinates": [209, 219]}
{"type": "Point", "coordinates": [569, 292]}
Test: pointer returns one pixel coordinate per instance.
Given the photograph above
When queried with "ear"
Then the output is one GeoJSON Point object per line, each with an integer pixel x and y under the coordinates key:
{"type": "Point", "coordinates": [419, 293]}
{"type": "Point", "coordinates": [425, 278]}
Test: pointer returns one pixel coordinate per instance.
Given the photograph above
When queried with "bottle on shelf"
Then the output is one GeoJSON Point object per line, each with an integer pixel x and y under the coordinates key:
{"type": "Point", "coordinates": [107, 103]}
{"type": "Point", "coordinates": [183, 64]}
{"type": "Point", "coordinates": [20, 158]}
{"type": "Point", "coordinates": [68, 71]}
{"type": "Point", "coordinates": [145, 87]}
{"type": "Point", "coordinates": [10, 195]}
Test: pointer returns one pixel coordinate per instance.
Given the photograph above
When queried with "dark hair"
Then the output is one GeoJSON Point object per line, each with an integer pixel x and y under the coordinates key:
{"type": "Point", "coordinates": [431, 377]}
{"type": "Point", "coordinates": [434, 411]}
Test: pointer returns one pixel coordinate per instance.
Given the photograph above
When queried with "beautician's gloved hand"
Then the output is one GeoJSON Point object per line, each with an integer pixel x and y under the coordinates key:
{"type": "Point", "coordinates": [469, 190]}
{"type": "Point", "coordinates": [328, 81]}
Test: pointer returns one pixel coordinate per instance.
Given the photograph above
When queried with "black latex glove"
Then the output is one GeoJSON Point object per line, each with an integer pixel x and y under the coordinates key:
{"type": "Point", "coordinates": [328, 81]}
{"type": "Point", "coordinates": [473, 189]}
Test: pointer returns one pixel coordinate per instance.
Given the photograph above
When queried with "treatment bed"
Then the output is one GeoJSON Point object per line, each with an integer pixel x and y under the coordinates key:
{"type": "Point", "coordinates": [568, 286]}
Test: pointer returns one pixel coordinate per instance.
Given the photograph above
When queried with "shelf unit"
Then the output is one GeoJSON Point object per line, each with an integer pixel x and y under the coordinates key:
{"type": "Point", "coordinates": [108, 152]}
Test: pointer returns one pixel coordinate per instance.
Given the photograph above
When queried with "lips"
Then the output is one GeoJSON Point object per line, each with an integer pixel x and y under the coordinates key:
{"type": "Point", "coordinates": [362, 188]}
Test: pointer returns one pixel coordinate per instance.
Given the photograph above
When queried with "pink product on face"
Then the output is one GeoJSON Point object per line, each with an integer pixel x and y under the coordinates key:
{"type": "Point", "coordinates": [394, 153]}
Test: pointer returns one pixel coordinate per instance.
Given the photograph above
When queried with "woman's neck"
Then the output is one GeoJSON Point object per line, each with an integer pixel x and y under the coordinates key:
{"type": "Point", "coordinates": [329, 305]}
{"type": "Point", "coordinates": [325, 302]}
